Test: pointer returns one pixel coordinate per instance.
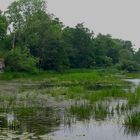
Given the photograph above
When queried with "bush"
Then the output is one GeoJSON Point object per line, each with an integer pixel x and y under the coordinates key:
{"type": "Point", "coordinates": [20, 60]}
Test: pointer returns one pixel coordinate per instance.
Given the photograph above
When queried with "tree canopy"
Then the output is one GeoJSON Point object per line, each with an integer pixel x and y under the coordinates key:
{"type": "Point", "coordinates": [30, 37]}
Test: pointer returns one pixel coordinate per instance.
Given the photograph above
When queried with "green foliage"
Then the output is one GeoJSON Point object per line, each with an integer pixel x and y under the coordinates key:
{"type": "Point", "coordinates": [137, 56]}
{"type": "Point", "coordinates": [43, 36]}
{"type": "Point", "coordinates": [125, 54]}
{"type": "Point", "coordinates": [128, 65]}
{"type": "Point", "coordinates": [82, 111]}
{"type": "Point", "coordinates": [58, 47]}
{"type": "Point", "coordinates": [20, 11]}
{"type": "Point", "coordinates": [106, 50]}
{"type": "Point", "coordinates": [3, 26]}
{"type": "Point", "coordinates": [20, 60]}
{"type": "Point", "coordinates": [78, 42]}
{"type": "Point", "coordinates": [133, 120]}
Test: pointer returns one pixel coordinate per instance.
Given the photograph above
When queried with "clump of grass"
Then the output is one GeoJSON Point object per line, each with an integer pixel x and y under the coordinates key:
{"type": "Point", "coordinates": [82, 111]}
{"type": "Point", "coordinates": [87, 111]}
{"type": "Point", "coordinates": [134, 99]}
{"type": "Point", "coordinates": [100, 112]}
{"type": "Point", "coordinates": [104, 94]}
{"type": "Point", "coordinates": [133, 120]}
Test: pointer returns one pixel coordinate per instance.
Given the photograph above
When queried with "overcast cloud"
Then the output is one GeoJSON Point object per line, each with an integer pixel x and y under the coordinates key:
{"type": "Point", "coordinates": [120, 18]}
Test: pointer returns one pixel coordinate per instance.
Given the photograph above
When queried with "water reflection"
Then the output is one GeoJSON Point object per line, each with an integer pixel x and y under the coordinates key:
{"type": "Point", "coordinates": [131, 130]}
{"type": "Point", "coordinates": [92, 130]}
{"type": "Point", "coordinates": [45, 123]}
{"type": "Point", "coordinates": [40, 122]}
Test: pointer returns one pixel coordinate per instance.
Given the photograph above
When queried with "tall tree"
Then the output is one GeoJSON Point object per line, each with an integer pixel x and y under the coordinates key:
{"type": "Point", "coordinates": [42, 35]}
{"type": "Point", "coordinates": [19, 11]}
{"type": "Point", "coordinates": [78, 42]}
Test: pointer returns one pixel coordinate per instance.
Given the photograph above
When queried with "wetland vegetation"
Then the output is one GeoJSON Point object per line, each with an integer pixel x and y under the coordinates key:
{"type": "Point", "coordinates": [44, 106]}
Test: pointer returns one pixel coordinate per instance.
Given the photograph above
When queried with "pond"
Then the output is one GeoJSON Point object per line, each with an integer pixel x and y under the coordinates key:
{"type": "Point", "coordinates": [48, 119]}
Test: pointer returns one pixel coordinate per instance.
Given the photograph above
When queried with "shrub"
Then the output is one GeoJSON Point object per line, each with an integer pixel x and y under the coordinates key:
{"type": "Point", "coordinates": [20, 60]}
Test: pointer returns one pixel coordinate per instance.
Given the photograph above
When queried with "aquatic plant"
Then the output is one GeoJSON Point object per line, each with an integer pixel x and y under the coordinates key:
{"type": "Point", "coordinates": [82, 111]}
{"type": "Point", "coordinates": [133, 120]}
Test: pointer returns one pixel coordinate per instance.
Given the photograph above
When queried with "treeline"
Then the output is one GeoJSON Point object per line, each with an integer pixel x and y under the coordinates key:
{"type": "Point", "coordinates": [31, 39]}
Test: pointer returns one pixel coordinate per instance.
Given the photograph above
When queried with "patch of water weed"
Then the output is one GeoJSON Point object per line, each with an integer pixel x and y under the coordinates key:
{"type": "Point", "coordinates": [87, 111]}
{"type": "Point", "coordinates": [104, 94]}
{"type": "Point", "coordinates": [79, 92]}
{"type": "Point", "coordinates": [82, 111]}
{"type": "Point", "coordinates": [100, 112]}
{"type": "Point", "coordinates": [76, 92]}
{"type": "Point", "coordinates": [25, 111]}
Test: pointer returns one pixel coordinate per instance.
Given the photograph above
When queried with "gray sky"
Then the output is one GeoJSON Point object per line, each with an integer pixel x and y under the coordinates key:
{"type": "Point", "coordinates": [120, 18]}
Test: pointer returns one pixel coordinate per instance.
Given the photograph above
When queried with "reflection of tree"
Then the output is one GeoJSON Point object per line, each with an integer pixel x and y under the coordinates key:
{"type": "Point", "coordinates": [131, 130]}
{"type": "Point", "coordinates": [42, 122]}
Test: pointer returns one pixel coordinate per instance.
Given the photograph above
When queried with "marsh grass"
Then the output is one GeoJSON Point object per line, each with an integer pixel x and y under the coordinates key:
{"type": "Point", "coordinates": [73, 84]}
{"type": "Point", "coordinates": [25, 111]}
{"type": "Point", "coordinates": [82, 111]}
{"type": "Point", "coordinates": [87, 111]}
{"type": "Point", "coordinates": [104, 94]}
{"type": "Point", "coordinates": [134, 98]}
{"type": "Point", "coordinates": [132, 75]}
{"type": "Point", "coordinates": [133, 120]}
{"type": "Point", "coordinates": [101, 112]}
{"type": "Point", "coordinates": [31, 91]}
{"type": "Point", "coordinates": [70, 75]}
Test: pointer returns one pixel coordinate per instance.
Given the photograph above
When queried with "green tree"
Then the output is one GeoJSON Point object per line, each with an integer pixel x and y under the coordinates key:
{"type": "Point", "coordinates": [126, 54]}
{"type": "Point", "coordinates": [78, 42]}
{"type": "Point", "coordinates": [137, 56]}
{"type": "Point", "coordinates": [106, 50]}
{"type": "Point", "coordinates": [42, 35]}
{"type": "Point", "coordinates": [38, 31]}
{"type": "Point", "coordinates": [19, 11]}
{"type": "Point", "coordinates": [58, 47]}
